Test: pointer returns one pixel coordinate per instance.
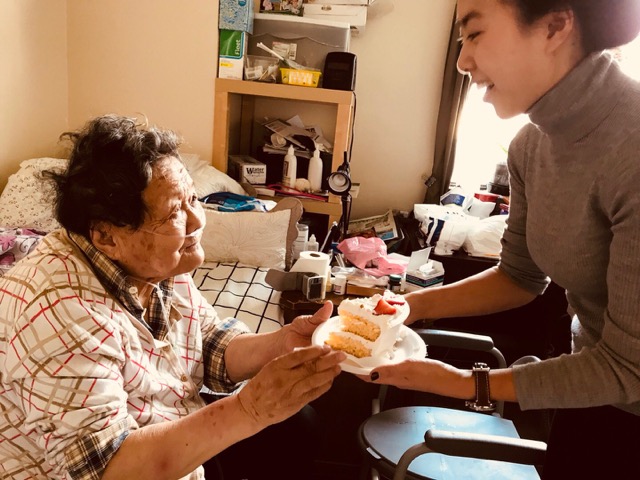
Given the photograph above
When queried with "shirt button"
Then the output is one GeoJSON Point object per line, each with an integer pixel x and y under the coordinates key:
{"type": "Point", "coordinates": [183, 378]}
{"type": "Point", "coordinates": [133, 290]}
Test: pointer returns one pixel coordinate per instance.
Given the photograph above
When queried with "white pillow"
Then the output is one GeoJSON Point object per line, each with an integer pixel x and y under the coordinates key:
{"type": "Point", "coordinates": [259, 239]}
{"type": "Point", "coordinates": [253, 238]}
{"type": "Point", "coordinates": [208, 179]}
{"type": "Point", "coordinates": [27, 200]}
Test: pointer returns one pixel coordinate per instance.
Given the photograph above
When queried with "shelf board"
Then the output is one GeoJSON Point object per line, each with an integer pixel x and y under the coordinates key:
{"type": "Point", "coordinates": [290, 92]}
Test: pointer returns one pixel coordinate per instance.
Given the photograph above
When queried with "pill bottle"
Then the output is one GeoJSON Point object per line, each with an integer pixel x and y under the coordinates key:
{"type": "Point", "coordinates": [340, 284]}
{"type": "Point", "coordinates": [395, 283]}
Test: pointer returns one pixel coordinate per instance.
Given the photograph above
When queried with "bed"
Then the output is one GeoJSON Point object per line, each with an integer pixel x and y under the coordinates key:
{"type": "Point", "coordinates": [240, 247]}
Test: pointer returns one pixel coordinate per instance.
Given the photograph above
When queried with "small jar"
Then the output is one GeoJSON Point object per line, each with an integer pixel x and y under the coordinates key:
{"type": "Point", "coordinates": [395, 283]}
{"type": "Point", "coordinates": [340, 284]}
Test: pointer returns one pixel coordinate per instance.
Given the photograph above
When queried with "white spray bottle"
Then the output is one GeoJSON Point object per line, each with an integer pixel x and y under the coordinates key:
{"type": "Point", "coordinates": [315, 171]}
{"type": "Point", "coordinates": [289, 168]}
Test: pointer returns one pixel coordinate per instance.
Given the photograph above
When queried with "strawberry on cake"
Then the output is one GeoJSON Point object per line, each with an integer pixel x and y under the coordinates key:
{"type": "Point", "coordinates": [369, 327]}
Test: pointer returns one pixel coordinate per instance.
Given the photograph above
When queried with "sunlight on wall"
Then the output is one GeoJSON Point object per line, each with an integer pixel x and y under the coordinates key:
{"type": "Point", "coordinates": [483, 138]}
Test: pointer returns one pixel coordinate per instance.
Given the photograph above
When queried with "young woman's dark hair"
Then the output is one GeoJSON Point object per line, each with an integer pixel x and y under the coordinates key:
{"type": "Point", "coordinates": [604, 24]}
{"type": "Point", "coordinates": [109, 167]}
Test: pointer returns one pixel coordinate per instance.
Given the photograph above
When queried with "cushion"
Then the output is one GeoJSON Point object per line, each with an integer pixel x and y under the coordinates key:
{"type": "Point", "coordinates": [240, 291]}
{"type": "Point", "coordinates": [208, 179]}
{"type": "Point", "coordinates": [260, 239]}
{"type": "Point", "coordinates": [26, 201]}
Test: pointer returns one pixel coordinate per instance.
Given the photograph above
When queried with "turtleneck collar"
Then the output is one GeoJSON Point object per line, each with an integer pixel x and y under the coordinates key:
{"type": "Point", "coordinates": [580, 101]}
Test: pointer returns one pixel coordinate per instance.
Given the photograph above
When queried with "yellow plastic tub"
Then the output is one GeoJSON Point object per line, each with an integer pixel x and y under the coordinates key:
{"type": "Point", "coordinates": [304, 78]}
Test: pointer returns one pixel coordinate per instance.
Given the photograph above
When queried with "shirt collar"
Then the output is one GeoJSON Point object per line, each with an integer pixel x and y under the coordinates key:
{"type": "Point", "coordinates": [116, 281]}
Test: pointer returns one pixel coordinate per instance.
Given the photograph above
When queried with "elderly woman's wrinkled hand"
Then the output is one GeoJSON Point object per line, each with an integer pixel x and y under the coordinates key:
{"type": "Point", "coordinates": [298, 333]}
{"type": "Point", "coordinates": [289, 382]}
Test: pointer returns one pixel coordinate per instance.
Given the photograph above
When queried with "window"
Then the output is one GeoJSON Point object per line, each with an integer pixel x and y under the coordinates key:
{"type": "Point", "coordinates": [483, 138]}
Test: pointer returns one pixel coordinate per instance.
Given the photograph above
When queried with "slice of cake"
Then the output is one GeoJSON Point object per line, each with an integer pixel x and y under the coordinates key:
{"type": "Point", "coordinates": [369, 327]}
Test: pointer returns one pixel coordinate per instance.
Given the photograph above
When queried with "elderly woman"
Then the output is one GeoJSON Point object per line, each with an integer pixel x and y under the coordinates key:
{"type": "Point", "coordinates": [105, 341]}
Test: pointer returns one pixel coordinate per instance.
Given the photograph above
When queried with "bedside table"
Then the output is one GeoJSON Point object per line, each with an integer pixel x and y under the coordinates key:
{"type": "Point", "coordinates": [294, 303]}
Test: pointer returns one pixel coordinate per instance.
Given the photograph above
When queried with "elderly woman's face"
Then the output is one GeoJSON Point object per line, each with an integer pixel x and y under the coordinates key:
{"type": "Point", "coordinates": [168, 242]}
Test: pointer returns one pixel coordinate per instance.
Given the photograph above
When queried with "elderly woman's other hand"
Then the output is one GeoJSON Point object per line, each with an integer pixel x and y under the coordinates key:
{"type": "Point", "coordinates": [287, 383]}
{"type": "Point", "coordinates": [299, 332]}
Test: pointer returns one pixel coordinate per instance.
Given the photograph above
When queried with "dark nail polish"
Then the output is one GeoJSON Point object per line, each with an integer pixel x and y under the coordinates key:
{"type": "Point", "coordinates": [375, 376]}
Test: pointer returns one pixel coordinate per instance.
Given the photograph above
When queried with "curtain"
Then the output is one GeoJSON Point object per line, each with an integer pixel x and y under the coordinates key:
{"type": "Point", "coordinates": [454, 91]}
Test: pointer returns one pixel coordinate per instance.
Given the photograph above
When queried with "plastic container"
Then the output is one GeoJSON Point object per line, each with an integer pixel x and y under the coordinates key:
{"type": "Point", "coordinates": [261, 69]}
{"type": "Point", "coordinates": [312, 244]}
{"type": "Point", "coordinates": [302, 78]}
{"type": "Point", "coordinates": [300, 243]}
{"type": "Point", "coordinates": [395, 282]}
{"type": "Point", "coordinates": [315, 171]}
{"type": "Point", "coordinates": [340, 284]}
{"type": "Point", "coordinates": [289, 168]}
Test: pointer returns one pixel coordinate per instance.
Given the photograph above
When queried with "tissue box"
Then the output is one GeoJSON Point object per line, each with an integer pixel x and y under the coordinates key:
{"type": "Point", "coordinates": [422, 272]}
{"type": "Point", "coordinates": [236, 15]}
{"type": "Point", "coordinates": [247, 169]}
{"type": "Point", "coordinates": [422, 279]}
{"type": "Point", "coordinates": [232, 53]}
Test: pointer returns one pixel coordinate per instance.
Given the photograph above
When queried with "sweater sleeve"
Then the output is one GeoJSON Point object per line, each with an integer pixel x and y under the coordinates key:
{"type": "Point", "coordinates": [515, 259]}
{"type": "Point", "coordinates": [605, 370]}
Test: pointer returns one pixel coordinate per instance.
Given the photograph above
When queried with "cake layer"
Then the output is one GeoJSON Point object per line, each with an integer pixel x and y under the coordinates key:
{"type": "Point", "coordinates": [369, 327]}
{"type": "Point", "coordinates": [348, 344]}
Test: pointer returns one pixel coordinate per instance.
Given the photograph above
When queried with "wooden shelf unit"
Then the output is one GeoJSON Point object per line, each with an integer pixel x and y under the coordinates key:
{"type": "Point", "coordinates": [235, 99]}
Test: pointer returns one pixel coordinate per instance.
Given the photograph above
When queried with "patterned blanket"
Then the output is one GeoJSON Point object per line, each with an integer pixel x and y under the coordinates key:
{"type": "Point", "coordinates": [16, 243]}
{"type": "Point", "coordinates": [240, 291]}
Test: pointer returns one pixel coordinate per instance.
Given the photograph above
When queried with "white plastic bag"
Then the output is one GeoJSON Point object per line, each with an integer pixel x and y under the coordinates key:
{"type": "Point", "coordinates": [483, 239]}
{"type": "Point", "coordinates": [445, 227]}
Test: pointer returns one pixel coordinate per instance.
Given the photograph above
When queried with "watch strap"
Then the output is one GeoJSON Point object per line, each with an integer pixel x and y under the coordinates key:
{"type": "Point", "coordinates": [482, 402]}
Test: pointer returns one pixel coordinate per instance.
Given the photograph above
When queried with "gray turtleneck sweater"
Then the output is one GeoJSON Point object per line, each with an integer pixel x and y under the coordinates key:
{"type": "Point", "coordinates": [575, 218]}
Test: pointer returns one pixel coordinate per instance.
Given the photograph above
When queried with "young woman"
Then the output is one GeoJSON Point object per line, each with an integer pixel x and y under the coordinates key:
{"type": "Point", "coordinates": [574, 218]}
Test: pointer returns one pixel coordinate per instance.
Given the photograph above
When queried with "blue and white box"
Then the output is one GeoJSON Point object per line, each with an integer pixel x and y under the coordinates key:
{"type": "Point", "coordinates": [236, 15]}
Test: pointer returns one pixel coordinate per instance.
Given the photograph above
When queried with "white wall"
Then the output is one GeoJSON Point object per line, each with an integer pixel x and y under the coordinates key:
{"type": "Point", "coordinates": [151, 57]}
{"type": "Point", "coordinates": [401, 59]}
{"type": "Point", "coordinates": [33, 80]}
{"type": "Point", "coordinates": [158, 57]}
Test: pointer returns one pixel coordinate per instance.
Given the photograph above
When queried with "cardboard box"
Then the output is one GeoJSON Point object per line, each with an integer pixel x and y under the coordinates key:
{"type": "Point", "coordinates": [361, 291]}
{"type": "Point", "coordinates": [236, 15]}
{"type": "Point", "coordinates": [354, 15]}
{"type": "Point", "coordinates": [232, 53]}
{"type": "Point", "coordinates": [247, 169]}
{"type": "Point", "coordinates": [339, 2]}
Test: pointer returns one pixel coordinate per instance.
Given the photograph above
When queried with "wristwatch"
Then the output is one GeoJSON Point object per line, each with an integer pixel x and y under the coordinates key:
{"type": "Point", "coordinates": [482, 402]}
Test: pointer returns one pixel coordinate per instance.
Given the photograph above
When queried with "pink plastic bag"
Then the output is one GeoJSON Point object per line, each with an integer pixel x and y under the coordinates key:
{"type": "Point", "coordinates": [363, 252]}
{"type": "Point", "coordinates": [370, 255]}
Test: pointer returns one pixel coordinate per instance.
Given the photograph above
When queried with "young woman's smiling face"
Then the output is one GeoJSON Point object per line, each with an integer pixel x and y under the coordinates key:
{"type": "Point", "coordinates": [509, 59]}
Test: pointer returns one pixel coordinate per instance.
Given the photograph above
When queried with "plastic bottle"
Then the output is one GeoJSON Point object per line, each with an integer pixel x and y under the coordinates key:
{"type": "Point", "coordinates": [289, 168]}
{"type": "Point", "coordinates": [300, 243]}
{"type": "Point", "coordinates": [312, 244]}
{"type": "Point", "coordinates": [315, 171]}
{"type": "Point", "coordinates": [340, 284]}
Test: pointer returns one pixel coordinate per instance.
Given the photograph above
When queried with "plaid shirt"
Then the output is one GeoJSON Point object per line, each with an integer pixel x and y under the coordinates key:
{"type": "Point", "coordinates": [80, 368]}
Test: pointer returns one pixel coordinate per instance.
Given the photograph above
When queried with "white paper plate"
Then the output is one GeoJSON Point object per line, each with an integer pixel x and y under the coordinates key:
{"type": "Point", "coordinates": [410, 346]}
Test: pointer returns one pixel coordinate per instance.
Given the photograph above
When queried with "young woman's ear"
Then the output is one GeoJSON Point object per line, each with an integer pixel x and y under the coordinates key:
{"type": "Point", "coordinates": [102, 237]}
{"type": "Point", "coordinates": [561, 27]}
